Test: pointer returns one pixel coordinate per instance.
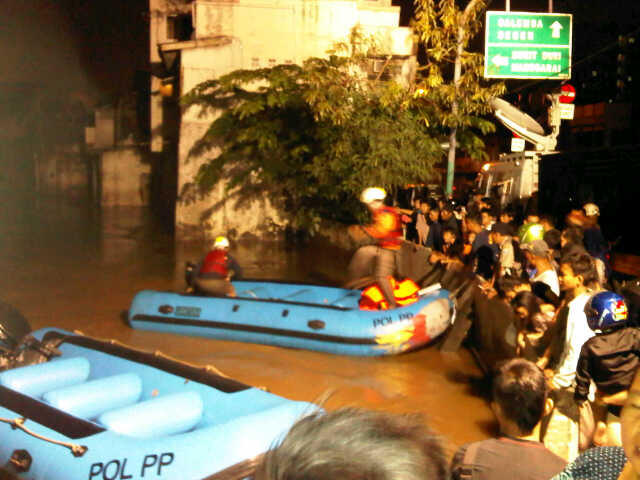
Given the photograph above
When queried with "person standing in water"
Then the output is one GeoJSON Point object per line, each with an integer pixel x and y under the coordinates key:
{"type": "Point", "coordinates": [380, 258]}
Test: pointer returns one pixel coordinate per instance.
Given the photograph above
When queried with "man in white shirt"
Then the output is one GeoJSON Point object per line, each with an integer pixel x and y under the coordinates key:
{"type": "Point", "coordinates": [576, 272]}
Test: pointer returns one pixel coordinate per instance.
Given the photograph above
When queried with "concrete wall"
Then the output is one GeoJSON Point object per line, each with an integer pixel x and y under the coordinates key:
{"type": "Point", "coordinates": [289, 31]}
{"type": "Point", "coordinates": [125, 178]}
{"type": "Point", "coordinates": [220, 211]}
{"type": "Point", "coordinates": [63, 172]}
{"type": "Point", "coordinates": [115, 177]}
{"type": "Point", "coordinates": [17, 161]}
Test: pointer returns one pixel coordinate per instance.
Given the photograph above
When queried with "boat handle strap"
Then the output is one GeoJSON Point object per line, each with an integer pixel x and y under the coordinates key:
{"type": "Point", "coordinates": [76, 450]}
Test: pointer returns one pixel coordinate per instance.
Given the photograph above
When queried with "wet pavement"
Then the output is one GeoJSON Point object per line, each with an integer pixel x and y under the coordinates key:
{"type": "Point", "coordinates": [76, 267]}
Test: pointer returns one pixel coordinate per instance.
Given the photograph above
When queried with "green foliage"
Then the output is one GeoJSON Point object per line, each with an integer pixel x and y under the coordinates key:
{"type": "Point", "coordinates": [446, 31]}
{"type": "Point", "coordinates": [312, 136]}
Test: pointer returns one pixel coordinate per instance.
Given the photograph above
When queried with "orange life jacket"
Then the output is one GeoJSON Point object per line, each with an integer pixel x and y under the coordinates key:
{"type": "Point", "coordinates": [404, 291]}
{"type": "Point", "coordinates": [386, 228]}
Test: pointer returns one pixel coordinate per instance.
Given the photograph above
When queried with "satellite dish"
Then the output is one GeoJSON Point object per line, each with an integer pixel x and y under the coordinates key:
{"type": "Point", "coordinates": [523, 125]}
{"type": "Point", "coordinates": [517, 116]}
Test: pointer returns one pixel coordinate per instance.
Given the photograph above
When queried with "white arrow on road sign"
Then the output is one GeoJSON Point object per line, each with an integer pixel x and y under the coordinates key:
{"type": "Point", "coordinates": [500, 61]}
{"type": "Point", "coordinates": [555, 27]}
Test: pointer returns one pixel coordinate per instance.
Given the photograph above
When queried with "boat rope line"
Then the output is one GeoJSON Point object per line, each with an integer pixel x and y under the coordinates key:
{"type": "Point", "coordinates": [255, 329]}
{"type": "Point", "coordinates": [255, 298]}
{"type": "Point", "coordinates": [76, 450]}
{"type": "Point", "coordinates": [197, 374]}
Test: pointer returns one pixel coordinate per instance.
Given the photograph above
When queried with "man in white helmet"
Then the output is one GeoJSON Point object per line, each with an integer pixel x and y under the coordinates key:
{"type": "Point", "coordinates": [217, 268]}
{"type": "Point", "coordinates": [378, 260]}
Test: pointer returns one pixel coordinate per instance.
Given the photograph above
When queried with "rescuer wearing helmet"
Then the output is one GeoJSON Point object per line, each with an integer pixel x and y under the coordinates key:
{"type": "Point", "coordinates": [217, 268]}
{"type": "Point", "coordinates": [530, 232]}
{"type": "Point", "coordinates": [609, 359]}
{"type": "Point", "coordinates": [379, 259]}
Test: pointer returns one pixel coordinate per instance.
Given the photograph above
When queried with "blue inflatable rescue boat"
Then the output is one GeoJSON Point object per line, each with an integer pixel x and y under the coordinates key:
{"type": "Point", "coordinates": [326, 319]}
{"type": "Point", "coordinates": [104, 411]}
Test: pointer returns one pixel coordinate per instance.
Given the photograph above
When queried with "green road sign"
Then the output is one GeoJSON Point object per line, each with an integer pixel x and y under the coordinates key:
{"type": "Point", "coordinates": [527, 45]}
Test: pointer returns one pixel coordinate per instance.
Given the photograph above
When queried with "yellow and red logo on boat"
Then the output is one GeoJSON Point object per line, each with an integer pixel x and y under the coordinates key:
{"type": "Point", "coordinates": [425, 325]}
{"type": "Point", "coordinates": [407, 336]}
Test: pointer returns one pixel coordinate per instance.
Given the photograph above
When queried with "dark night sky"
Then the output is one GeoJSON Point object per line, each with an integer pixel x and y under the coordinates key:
{"type": "Point", "coordinates": [73, 44]}
{"type": "Point", "coordinates": [99, 44]}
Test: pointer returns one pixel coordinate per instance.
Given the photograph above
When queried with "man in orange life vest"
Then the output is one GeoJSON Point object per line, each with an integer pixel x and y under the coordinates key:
{"type": "Point", "coordinates": [378, 260]}
{"type": "Point", "coordinates": [216, 270]}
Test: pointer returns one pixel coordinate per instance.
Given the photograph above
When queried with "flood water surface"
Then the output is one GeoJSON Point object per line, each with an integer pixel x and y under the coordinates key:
{"type": "Point", "coordinates": [78, 268]}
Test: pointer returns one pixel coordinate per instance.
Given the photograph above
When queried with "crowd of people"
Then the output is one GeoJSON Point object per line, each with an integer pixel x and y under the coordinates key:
{"type": "Point", "coordinates": [553, 278]}
{"type": "Point", "coordinates": [575, 349]}
{"type": "Point", "coordinates": [574, 354]}
{"type": "Point", "coordinates": [359, 444]}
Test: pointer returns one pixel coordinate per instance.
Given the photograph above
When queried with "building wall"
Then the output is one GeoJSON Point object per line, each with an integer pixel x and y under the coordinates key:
{"type": "Point", "coordinates": [259, 34]}
{"type": "Point", "coordinates": [125, 178]}
{"type": "Point", "coordinates": [112, 177]}
{"type": "Point", "coordinates": [63, 172]}
{"type": "Point", "coordinates": [289, 31]}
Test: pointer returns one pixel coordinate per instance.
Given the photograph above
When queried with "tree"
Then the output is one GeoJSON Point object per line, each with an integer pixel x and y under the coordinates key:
{"type": "Point", "coordinates": [453, 74]}
{"type": "Point", "coordinates": [312, 136]}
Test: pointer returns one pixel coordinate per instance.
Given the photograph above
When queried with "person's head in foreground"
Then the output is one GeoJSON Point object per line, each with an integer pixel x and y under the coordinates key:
{"type": "Point", "coordinates": [356, 444]}
{"type": "Point", "coordinates": [520, 397]}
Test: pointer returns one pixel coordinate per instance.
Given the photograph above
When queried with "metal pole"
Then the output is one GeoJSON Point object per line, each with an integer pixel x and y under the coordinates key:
{"type": "Point", "coordinates": [451, 158]}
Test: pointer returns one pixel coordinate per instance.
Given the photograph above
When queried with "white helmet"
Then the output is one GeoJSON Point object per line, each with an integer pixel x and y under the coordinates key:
{"type": "Point", "coordinates": [221, 242]}
{"type": "Point", "coordinates": [591, 210]}
{"type": "Point", "coordinates": [372, 194]}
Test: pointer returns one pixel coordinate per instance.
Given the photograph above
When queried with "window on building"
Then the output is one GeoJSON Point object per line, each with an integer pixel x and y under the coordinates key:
{"type": "Point", "coordinates": [377, 65]}
{"type": "Point", "coordinates": [383, 68]}
{"type": "Point", "coordinates": [179, 27]}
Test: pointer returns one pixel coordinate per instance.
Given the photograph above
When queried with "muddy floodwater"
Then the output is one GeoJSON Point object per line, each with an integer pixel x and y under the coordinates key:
{"type": "Point", "coordinates": [77, 267]}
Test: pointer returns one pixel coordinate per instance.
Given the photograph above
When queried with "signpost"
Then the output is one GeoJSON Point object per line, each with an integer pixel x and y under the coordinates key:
{"type": "Point", "coordinates": [566, 98]}
{"type": "Point", "coordinates": [567, 93]}
{"type": "Point", "coordinates": [528, 45]}
{"type": "Point", "coordinates": [517, 144]}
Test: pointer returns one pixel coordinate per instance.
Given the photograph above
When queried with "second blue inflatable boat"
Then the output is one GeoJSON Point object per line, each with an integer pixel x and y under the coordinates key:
{"type": "Point", "coordinates": [326, 319]}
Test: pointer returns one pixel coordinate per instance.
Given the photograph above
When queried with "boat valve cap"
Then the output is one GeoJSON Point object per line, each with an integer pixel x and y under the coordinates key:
{"type": "Point", "coordinates": [166, 309]}
{"type": "Point", "coordinates": [21, 460]}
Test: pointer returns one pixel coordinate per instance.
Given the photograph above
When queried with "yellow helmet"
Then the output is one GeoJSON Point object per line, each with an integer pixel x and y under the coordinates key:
{"type": "Point", "coordinates": [530, 232]}
{"type": "Point", "coordinates": [221, 242]}
{"type": "Point", "coordinates": [372, 194]}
